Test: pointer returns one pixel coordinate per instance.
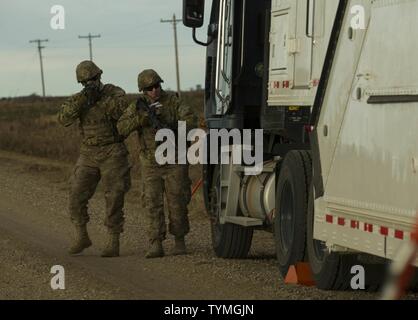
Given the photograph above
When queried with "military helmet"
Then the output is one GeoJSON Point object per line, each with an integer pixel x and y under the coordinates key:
{"type": "Point", "coordinates": [148, 78]}
{"type": "Point", "coordinates": [87, 70]}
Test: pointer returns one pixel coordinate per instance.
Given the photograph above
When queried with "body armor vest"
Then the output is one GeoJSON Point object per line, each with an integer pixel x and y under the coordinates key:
{"type": "Point", "coordinates": [97, 127]}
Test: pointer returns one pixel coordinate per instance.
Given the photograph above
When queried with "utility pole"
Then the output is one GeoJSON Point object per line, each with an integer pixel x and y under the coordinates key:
{"type": "Point", "coordinates": [174, 21]}
{"type": "Point", "coordinates": [38, 41]}
{"type": "Point", "coordinates": [90, 36]}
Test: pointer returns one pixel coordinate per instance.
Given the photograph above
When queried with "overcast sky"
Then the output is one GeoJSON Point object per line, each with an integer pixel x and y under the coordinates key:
{"type": "Point", "coordinates": [132, 39]}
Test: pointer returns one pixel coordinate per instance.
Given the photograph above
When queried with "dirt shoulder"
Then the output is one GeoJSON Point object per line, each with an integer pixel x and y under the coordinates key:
{"type": "Point", "coordinates": [35, 232]}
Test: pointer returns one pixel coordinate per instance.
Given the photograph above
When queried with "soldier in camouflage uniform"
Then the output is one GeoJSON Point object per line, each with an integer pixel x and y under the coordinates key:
{"type": "Point", "coordinates": [103, 155]}
{"type": "Point", "coordinates": [173, 180]}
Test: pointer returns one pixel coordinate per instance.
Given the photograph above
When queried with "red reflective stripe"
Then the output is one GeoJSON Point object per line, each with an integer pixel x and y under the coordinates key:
{"type": "Point", "coordinates": [329, 218]}
{"type": "Point", "coordinates": [399, 234]}
{"type": "Point", "coordinates": [355, 224]}
{"type": "Point", "coordinates": [368, 227]}
{"type": "Point", "coordinates": [384, 231]}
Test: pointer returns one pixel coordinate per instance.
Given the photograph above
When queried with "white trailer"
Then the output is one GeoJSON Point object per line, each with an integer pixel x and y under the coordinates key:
{"type": "Point", "coordinates": [335, 88]}
{"type": "Point", "coordinates": [367, 145]}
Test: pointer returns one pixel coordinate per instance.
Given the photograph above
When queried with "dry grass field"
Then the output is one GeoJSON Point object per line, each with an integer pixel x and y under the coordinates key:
{"type": "Point", "coordinates": [28, 125]}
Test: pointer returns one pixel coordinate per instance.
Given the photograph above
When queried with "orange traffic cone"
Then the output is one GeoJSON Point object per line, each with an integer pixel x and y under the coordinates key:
{"type": "Point", "coordinates": [300, 274]}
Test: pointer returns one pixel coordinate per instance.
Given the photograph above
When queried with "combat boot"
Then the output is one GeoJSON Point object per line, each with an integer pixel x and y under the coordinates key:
{"type": "Point", "coordinates": [179, 247]}
{"type": "Point", "coordinates": [112, 247]}
{"type": "Point", "coordinates": [156, 250]}
{"type": "Point", "coordinates": [81, 242]}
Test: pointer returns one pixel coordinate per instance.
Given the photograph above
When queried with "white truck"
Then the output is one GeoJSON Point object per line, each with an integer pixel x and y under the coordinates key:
{"type": "Point", "coordinates": [334, 86]}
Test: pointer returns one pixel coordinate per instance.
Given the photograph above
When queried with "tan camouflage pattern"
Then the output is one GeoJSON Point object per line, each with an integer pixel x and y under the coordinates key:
{"type": "Point", "coordinates": [87, 70]}
{"type": "Point", "coordinates": [173, 110]}
{"type": "Point", "coordinates": [98, 123]}
{"type": "Point", "coordinates": [103, 156]}
{"type": "Point", "coordinates": [111, 166]}
{"type": "Point", "coordinates": [171, 180]}
{"type": "Point", "coordinates": [148, 78]}
{"type": "Point", "coordinates": [160, 181]}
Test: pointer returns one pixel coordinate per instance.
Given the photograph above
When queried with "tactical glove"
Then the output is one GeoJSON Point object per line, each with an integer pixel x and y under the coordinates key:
{"type": "Point", "coordinates": [92, 94]}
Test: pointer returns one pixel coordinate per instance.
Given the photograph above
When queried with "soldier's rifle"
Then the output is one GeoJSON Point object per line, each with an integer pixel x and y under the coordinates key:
{"type": "Point", "coordinates": [151, 110]}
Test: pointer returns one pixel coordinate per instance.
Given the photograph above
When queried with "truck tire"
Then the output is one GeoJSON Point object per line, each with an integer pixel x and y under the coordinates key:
{"type": "Point", "coordinates": [413, 287]}
{"type": "Point", "coordinates": [229, 241]}
{"type": "Point", "coordinates": [291, 209]}
{"type": "Point", "coordinates": [332, 271]}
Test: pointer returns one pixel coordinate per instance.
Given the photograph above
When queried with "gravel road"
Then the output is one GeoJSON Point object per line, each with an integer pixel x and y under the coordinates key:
{"type": "Point", "coordinates": [35, 232]}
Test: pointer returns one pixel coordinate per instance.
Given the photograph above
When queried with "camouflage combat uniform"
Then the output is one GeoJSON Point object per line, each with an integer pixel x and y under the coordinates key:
{"type": "Point", "coordinates": [173, 180]}
{"type": "Point", "coordinates": [103, 155]}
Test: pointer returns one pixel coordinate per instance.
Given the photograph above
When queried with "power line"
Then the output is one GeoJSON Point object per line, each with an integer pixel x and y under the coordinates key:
{"type": "Point", "coordinates": [174, 21]}
{"type": "Point", "coordinates": [90, 36]}
{"type": "Point", "coordinates": [38, 41]}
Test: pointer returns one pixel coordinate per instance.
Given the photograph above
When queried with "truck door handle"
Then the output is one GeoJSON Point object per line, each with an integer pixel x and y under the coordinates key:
{"type": "Point", "coordinates": [309, 33]}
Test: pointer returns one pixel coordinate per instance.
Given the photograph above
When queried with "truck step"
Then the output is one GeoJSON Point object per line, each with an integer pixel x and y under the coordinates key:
{"type": "Point", "coordinates": [244, 221]}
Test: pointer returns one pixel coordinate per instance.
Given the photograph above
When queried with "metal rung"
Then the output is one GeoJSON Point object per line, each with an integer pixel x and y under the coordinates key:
{"type": "Point", "coordinates": [243, 221]}
{"type": "Point", "coordinates": [243, 168]}
{"type": "Point", "coordinates": [225, 183]}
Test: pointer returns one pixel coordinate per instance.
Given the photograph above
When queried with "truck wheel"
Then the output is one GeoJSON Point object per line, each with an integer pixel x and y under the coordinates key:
{"type": "Point", "coordinates": [332, 271]}
{"type": "Point", "coordinates": [413, 287]}
{"type": "Point", "coordinates": [291, 203]}
{"type": "Point", "coordinates": [229, 241]}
